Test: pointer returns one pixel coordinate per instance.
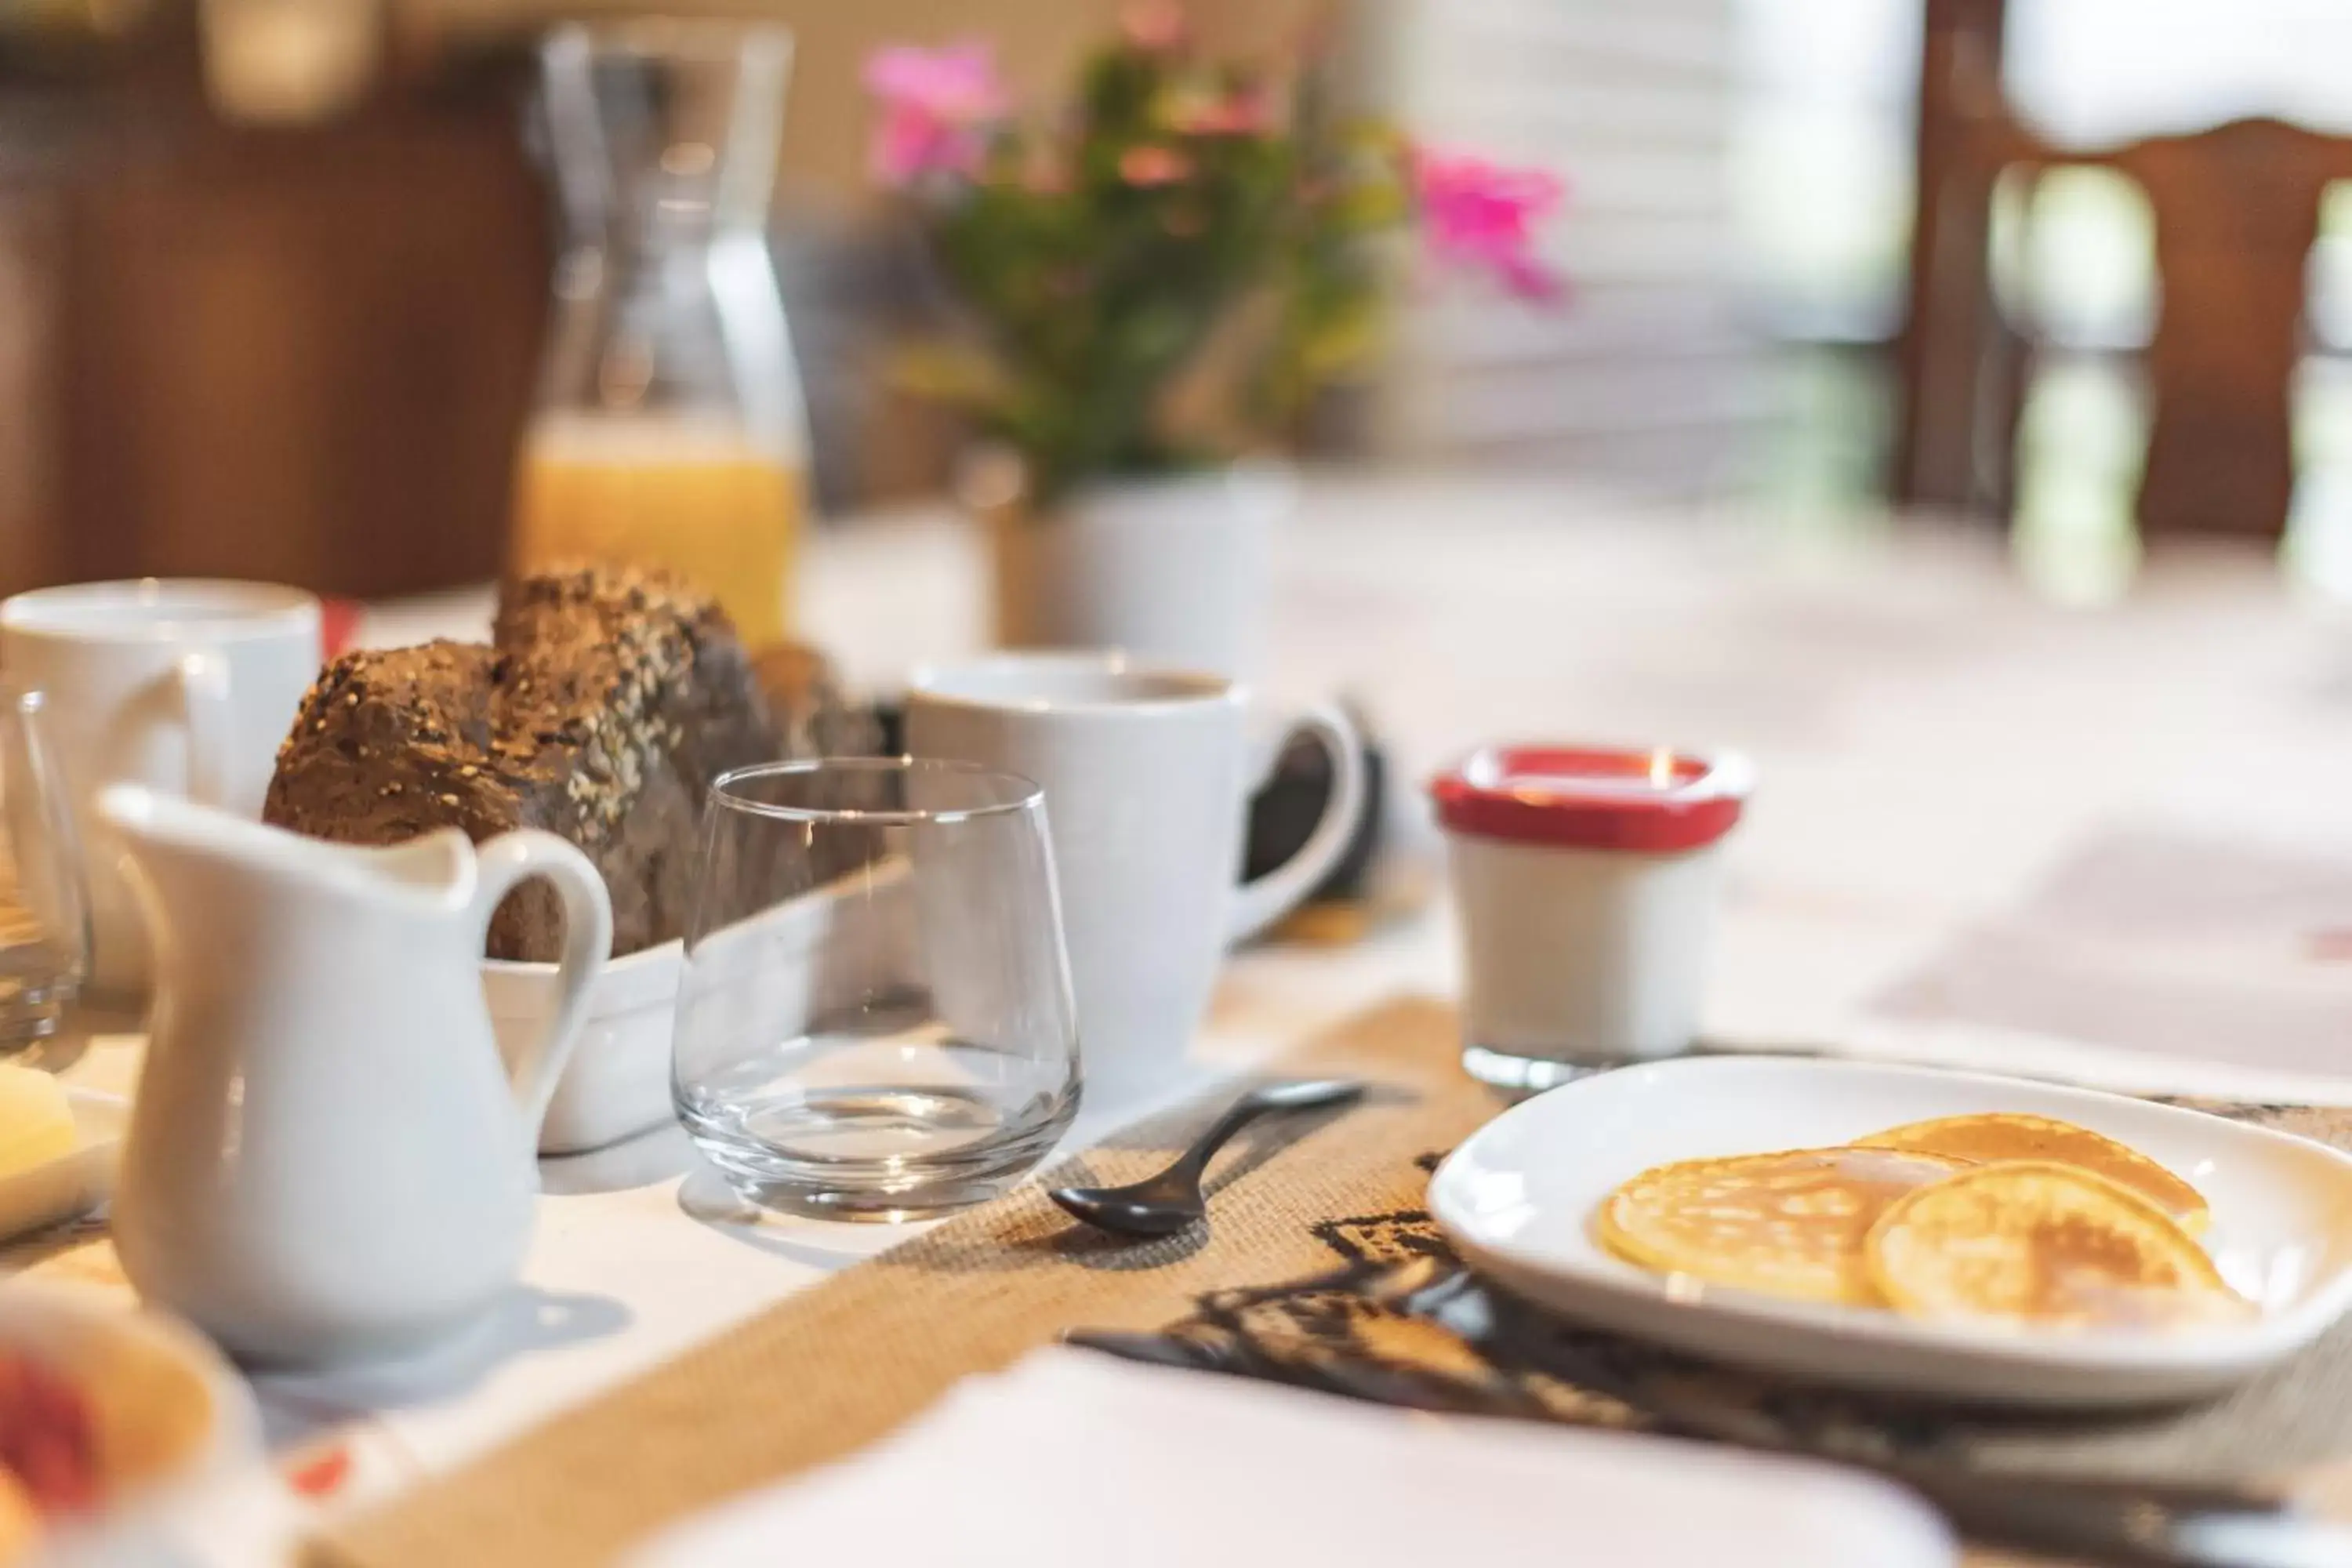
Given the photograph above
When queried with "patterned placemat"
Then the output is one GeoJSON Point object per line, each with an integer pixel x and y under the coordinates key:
{"type": "Point", "coordinates": [830, 1370]}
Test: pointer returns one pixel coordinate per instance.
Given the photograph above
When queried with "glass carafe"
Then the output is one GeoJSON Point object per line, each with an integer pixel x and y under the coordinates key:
{"type": "Point", "coordinates": [669, 428]}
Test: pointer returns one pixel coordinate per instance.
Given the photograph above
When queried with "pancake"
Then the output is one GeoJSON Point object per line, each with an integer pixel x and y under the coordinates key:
{"type": "Point", "coordinates": [2004, 1135]}
{"type": "Point", "coordinates": [2038, 1244]}
{"type": "Point", "coordinates": [1788, 1224]}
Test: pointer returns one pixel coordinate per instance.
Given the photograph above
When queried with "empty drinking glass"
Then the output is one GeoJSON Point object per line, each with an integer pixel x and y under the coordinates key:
{"type": "Point", "coordinates": [44, 915]}
{"type": "Point", "coordinates": [875, 1020]}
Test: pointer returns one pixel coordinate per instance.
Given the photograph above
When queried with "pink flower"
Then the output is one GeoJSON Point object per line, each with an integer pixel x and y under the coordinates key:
{"type": "Point", "coordinates": [1483, 215]}
{"type": "Point", "coordinates": [1151, 165]}
{"type": "Point", "coordinates": [937, 108]}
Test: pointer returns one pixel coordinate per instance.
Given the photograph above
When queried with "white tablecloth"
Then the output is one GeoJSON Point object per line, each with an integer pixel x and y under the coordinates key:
{"type": "Point", "coordinates": [1930, 737]}
{"type": "Point", "coordinates": [1119, 1459]}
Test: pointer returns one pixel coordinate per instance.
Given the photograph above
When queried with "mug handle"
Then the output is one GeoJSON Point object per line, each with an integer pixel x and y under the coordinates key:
{"type": "Point", "coordinates": [210, 724]}
{"type": "Point", "coordinates": [1259, 904]}
{"type": "Point", "coordinates": [516, 856]}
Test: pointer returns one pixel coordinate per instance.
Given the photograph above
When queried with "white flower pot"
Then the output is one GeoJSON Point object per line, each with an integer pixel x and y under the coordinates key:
{"type": "Point", "coordinates": [1173, 571]}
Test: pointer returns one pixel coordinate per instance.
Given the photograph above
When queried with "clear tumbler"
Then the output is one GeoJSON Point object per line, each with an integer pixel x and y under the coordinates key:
{"type": "Point", "coordinates": [44, 910]}
{"type": "Point", "coordinates": [875, 1020]}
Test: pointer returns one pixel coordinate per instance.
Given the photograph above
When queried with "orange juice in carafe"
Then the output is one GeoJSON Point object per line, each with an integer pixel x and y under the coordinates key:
{"type": "Point", "coordinates": [670, 429]}
{"type": "Point", "coordinates": [696, 496]}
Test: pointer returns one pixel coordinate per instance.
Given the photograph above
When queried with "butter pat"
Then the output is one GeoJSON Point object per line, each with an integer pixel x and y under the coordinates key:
{"type": "Point", "coordinates": [36, 1122]}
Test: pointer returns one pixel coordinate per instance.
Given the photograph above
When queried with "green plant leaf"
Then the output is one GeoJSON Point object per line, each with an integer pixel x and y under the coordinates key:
{"type": "Point", "coordinates": [1126, 311]}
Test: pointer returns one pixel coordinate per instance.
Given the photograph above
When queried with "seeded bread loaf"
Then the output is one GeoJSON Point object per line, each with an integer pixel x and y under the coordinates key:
{"type": "Point", "coordinates": [603, 706]}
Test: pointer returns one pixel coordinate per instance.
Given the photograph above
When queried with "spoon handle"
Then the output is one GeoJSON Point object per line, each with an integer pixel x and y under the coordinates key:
{"type": "Point", "coordinates": [1314, 1095]}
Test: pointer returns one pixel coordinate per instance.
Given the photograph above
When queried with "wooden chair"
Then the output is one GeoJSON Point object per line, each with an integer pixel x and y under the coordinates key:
{"type": "Point", "coordinates": [2237, 211]}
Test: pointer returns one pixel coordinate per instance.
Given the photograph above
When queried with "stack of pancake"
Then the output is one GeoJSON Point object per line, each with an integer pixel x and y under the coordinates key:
{"type": "Point", "coordinates": [2001, 1219]}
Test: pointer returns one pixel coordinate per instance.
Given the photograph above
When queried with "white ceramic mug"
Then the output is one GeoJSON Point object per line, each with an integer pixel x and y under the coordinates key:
{"type": "Point", "coordinates": [185, 686]}
{"type": "Point", "coordinates": [1146, 776]}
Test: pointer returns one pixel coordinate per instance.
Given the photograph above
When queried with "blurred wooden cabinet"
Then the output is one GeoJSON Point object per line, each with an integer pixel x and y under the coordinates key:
{"type": "Point", "coordinates": [299, 355]}
{"type": "Point", "coordinates": [306, 354]}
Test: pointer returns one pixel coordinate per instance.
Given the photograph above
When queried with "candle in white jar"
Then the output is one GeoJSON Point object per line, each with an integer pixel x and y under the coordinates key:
{"type": "Point", "coordinates": [1585, 882]}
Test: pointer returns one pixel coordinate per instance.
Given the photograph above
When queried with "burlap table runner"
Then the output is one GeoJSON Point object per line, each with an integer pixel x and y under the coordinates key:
{"type": "Point", "coordinates": [827, 1371]}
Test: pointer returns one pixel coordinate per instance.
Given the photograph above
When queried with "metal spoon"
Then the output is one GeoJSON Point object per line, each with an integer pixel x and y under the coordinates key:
{"type": "Point", "coordinates": [1166, 1203]}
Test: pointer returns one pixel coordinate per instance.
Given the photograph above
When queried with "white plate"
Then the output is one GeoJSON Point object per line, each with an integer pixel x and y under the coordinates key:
{"type": "Point", "coordinates": [1517, 1201]}
{"type": "Point", "coordinates": [74, 1184]}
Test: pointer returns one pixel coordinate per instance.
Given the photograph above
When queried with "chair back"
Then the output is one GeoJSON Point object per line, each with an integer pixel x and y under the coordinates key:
{"type": "Point", "coordinates": [2236, 212]}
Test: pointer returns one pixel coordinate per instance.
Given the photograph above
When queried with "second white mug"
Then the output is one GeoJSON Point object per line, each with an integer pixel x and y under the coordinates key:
{"type": "Point", "coordinates": [1147, 776]}
{"type": "Point", "coordinates": [185, 686]}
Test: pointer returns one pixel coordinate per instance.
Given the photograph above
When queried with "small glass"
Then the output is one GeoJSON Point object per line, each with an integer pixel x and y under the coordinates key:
{"type": "Point", "coordinates": [875, 1020]}
{"type": "Point", "coordinates": [44, 910]}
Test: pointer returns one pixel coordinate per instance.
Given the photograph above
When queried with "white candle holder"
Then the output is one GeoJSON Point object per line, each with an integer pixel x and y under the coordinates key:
{"type": "Point", "coordinates": [1585, 882]}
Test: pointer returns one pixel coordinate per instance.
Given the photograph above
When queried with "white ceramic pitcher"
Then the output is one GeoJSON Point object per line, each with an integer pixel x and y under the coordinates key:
{"type": "Point", "coordinates": [328, 1160]}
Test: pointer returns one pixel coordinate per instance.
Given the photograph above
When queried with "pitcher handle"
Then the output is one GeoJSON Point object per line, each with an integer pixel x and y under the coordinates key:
{"type": "Point", "coordinates": [210, 724]}
{"type": "Point", "coordinates": [516, 856]}
{"type": "Point", "coordinates": [1260, 903]}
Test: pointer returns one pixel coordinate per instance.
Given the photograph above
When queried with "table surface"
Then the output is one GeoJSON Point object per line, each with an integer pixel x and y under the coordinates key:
{"type": "Point", "coordinates": [1930, 736]}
